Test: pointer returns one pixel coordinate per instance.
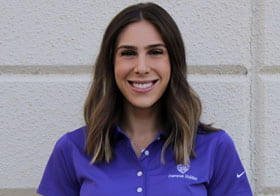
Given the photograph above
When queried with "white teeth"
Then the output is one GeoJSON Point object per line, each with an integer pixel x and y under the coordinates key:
{"type": "Point", "coordinates": [142, 85]}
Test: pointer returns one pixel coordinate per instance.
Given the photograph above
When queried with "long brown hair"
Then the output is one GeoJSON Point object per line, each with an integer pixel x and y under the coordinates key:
{"type": "Point", "coordinates": [104, 102]}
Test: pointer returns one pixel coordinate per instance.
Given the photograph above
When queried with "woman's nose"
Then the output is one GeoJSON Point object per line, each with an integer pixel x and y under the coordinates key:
{"type": "Point", "coordinates": [142, 66]}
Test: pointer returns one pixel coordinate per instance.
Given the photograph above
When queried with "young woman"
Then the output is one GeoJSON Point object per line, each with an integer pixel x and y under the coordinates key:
{"type": "Point", "coordinates": [143, 135]}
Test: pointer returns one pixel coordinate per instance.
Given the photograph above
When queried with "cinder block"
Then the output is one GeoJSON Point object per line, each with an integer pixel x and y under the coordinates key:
{"type": "Point", "coordinates": [51, 33]}
{"type": "Point", "coordinates": [226, 103]}
{"type": "Point", "coordinates": [34, 112]}
{"type": "Point", "coordinates": [69, 33]}
{"type": "Point", "coordinates": [268, 155]}
{"type": "Point", "coordinates": [271, 32]}
{"type": "Point", "coordinates": [215, 32]}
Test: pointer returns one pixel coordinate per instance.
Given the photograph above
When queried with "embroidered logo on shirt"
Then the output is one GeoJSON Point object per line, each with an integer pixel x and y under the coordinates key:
{"type": "Point", "coordinates": [183, 168]}
{"type": "Point", "coordinates": [241, 174]}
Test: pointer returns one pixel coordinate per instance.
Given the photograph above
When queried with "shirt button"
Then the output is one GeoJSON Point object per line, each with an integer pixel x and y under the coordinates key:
{"type": "Point", "coordinates": [139, 190]}
{"type": "Point", "coordinates": [147, 152]}
{"type": "Point", "coordinates": [139, 173]}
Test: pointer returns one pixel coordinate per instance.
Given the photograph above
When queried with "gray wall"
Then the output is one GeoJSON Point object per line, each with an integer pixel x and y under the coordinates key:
{"type": "Point", "coordinates": [47, 48]}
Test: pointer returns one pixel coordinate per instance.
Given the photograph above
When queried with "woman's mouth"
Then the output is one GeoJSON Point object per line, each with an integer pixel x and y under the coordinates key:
{"type": "Point", "coordinates": [142, 85]}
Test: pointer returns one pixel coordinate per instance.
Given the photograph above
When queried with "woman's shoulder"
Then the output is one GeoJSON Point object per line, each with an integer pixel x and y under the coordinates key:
{"type": "Point", "coordinates": [72, 139]}
{"type": "Point", "coordinates": [213, 138]}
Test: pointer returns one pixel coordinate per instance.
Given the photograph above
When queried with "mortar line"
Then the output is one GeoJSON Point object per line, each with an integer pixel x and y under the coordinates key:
{"type": "Point", "coordinates": [87, 69]}
{"type": "Point", "coordinates": [251, 114]}
{"type": "Point", "coordinates": [257, 59]}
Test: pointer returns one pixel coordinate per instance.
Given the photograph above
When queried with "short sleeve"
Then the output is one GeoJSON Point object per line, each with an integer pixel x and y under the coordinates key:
{"type": "Point", "coordinates": [229, 177]}
{"type": "Point", "coordinates": [59, 177]}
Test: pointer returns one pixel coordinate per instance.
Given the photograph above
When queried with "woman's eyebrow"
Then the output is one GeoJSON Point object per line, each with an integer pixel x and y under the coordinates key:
{"type": "Point", "coordinates": [155, 45]}
{"type": "Point", "coordinates": [127, 47]}
{"type": "Point", "coordinates": [146, 47]}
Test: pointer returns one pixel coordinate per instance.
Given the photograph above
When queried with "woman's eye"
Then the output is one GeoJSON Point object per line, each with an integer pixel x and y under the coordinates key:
{"type": "Point", "coordinates": [128, 53]}
{"type": "Point", "coordinates": [156, 52]}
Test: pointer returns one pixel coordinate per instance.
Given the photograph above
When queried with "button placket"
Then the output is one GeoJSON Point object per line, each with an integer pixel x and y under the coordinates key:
{"type": "Point", "coordinates": [139, 188]}
{"type": "Point", "coordinates": [144, 159]}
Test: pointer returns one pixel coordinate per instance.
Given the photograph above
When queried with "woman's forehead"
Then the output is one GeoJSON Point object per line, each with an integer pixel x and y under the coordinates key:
{"type": "Point", "coordinates": [141, 33]}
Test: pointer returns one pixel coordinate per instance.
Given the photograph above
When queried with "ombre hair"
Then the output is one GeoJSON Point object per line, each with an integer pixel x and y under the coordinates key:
{"type": "Point", "coordinates": [103, 106]}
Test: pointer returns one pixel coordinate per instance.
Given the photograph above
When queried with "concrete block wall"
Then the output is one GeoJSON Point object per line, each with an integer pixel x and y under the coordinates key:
{"type": "Point", "coordinates": [47, 49]}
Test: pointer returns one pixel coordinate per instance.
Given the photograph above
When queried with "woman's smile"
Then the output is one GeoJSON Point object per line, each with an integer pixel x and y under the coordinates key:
{"type": "Point", "coordinates": [143, 86]}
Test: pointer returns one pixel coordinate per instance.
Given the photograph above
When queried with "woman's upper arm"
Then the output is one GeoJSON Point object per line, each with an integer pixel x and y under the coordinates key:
{"type": "Point", "coordinates": [229, 177]}
{"type": "Point", "coordinates": [59, 176]}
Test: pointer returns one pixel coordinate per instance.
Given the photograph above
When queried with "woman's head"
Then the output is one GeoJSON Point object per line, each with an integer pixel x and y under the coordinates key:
{"type": "Point", "coordinates": [104, 103]}
{"type": "Point", "coordinates": [166, 27]}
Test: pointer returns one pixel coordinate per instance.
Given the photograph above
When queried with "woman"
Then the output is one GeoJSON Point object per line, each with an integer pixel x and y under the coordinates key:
{"type": "Point", "coordinates": [142, 133]}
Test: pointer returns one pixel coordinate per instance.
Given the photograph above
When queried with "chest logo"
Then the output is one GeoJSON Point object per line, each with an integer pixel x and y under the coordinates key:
{"type": "Point", "coordinates": [239, 175]}
{"type": "Point", "coordinates": [183, 168]}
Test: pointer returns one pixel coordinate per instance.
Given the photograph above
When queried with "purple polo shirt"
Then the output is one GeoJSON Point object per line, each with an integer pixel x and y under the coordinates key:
{"type": "Point", "coordinates": [216, 170]}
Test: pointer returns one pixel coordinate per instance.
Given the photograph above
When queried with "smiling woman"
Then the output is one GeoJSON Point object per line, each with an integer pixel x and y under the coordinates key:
{"type": "Point", "coordinates": [143, 133]}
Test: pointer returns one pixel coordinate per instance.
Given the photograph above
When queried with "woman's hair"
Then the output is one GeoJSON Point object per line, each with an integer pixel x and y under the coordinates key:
{"type": "Point", "coordinates": [103, 106]}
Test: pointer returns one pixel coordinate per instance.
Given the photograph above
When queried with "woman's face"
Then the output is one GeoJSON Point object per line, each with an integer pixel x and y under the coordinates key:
{"type": "Point", "coordinates": [142, 67]}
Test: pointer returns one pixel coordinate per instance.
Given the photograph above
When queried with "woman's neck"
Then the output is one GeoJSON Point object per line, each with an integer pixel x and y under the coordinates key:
{"type": "Point", "coordinates": [141, 124]}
